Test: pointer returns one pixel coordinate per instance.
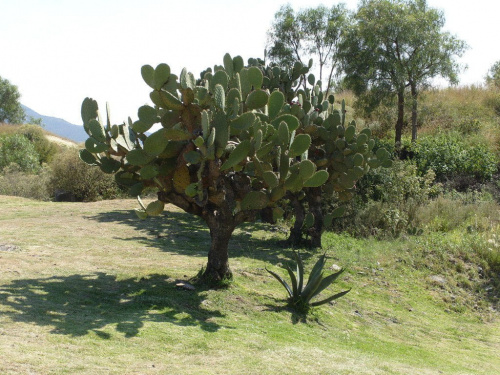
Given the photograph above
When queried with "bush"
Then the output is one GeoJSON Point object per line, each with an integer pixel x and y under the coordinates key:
{"type": "Point", "coordinates": [387, 200]}
{"type": "Point", "coordinates": [46, 150]}
{"type": "Point", "coordinates": [83, 182]}
{"type": "Point", "coordinates": [15, 182]}
{"type": "Point", "coordinates": [450, 155]}
{"type": "Point", "coordinates": [17, 149]}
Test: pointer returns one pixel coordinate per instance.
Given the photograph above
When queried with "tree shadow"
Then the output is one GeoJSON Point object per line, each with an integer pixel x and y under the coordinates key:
{"type": "Point", "coordinates": [78, 304]}
{"type": "Point", "coordinates": [183, 233]}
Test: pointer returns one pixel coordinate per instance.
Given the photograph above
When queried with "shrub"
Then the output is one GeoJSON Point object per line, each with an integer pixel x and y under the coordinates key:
{"type": "Point", "coordinates": [450, 155]}
{"type": "Point", "coordinates": [387, 201]}
{"type": "Point", "coordinates": [85, 183]}
{"type": "Point", "coordinates": [15, 182]}
{"type": "Point", "coordinates": [19, 150]}
{"type": "Point", "coordinates": [46, 150]}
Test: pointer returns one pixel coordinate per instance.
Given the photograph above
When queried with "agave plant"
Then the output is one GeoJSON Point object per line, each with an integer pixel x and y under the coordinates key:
{"type": "Point", "coordinates": [300, 295]}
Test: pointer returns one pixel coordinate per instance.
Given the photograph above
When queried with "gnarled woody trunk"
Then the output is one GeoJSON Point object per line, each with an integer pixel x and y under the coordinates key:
{"type": "Point", "coordinates": [296, 232]}
{"type": "Point", "coordinates": [221, 225]}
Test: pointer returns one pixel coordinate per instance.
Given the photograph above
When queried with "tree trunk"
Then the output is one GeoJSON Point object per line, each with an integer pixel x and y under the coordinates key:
{"type": "Point", "coordinates": [316, 231]}
{"type": "Point", "coordinates": [218, 256]}
{"type": "Point", "coordinates": [295, 237]}
{"type": "Point", "coordinates": [414, 107]}
{"type": "Point", "coordinates": [221, 230]}
{"type": "Point", "coordinates": [400, 121]}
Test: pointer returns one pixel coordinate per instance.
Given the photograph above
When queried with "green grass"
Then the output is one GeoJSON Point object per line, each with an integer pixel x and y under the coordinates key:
{"type": "Point", "coordinates": [89, 289]}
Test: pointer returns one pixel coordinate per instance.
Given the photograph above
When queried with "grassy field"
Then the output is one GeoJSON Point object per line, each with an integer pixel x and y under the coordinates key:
{"type": "Point", "coordinates": [89, 289]}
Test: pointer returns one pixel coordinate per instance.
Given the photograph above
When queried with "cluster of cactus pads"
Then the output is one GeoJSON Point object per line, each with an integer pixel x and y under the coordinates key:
{"type": "Point", "coordinates": [232, 142]}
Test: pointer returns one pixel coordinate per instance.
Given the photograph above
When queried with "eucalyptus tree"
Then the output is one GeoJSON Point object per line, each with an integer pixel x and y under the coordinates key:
{"type": "Point", "coordinates": [395, 46]}
{"type": "Point", "coordinates": [309, 33]}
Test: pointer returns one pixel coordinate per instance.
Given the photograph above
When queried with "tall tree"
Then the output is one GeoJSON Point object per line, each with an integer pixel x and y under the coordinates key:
{"type": "Point", "coordinates": [395, 46]}
{"type": "Point", "coordinates": [493, 76]}
{"type": "Point", "coordinates": [10, 107]}
{"type": "Point", "coordinates": [309, 33]}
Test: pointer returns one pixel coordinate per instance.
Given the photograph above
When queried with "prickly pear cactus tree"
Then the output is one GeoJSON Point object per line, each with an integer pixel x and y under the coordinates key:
{"type": "Point", "coordinates": [338, 155]}
{"type": "Point", "coordinates": [222, 147]}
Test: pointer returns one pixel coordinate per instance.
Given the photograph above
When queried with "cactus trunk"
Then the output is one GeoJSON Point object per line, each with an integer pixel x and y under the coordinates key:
{"type": "Point", "coordinates": [314, 200]}
{"type": "Point", "coordinates": [295, 237]}
{"type": "Point", "coordinates": [221, 225]}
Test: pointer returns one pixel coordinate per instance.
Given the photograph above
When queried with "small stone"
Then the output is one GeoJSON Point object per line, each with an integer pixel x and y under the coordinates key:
{"type": "Point", "coordinates": [184, 285]}
{"type": "Point", "coordinates": [335, 267]}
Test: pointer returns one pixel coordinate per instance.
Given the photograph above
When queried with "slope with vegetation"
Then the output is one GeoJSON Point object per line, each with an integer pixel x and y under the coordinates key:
{"type": "Point", "coordinates": [418, 304]}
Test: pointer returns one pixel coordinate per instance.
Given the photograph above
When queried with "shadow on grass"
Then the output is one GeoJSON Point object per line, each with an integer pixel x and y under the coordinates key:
{"type": "Point", "coordinates": [186, 234]}
{"type": "Point", "coordinates": [78, 304]}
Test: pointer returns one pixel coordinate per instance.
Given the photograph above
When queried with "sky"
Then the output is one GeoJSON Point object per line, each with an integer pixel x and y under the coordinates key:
{"type": "Point", "coordinates": [57, 52]}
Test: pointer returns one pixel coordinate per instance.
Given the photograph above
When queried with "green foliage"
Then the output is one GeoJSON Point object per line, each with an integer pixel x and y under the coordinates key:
{"type": "Point", "coordinates": [300, 292]}
{"type": "Point", "coordinates": [311, 33]}
{"type": "Point", "coordinates": [46, 150]}
{"type": "Point", "coordinates": [226, 147]}
{"type": "Point", "coordinates": [17, 149]}
{"type": "Point", "coordinates": [71, 175]}
{"type": "Point", "coordinates": [450, 154]}
{"type": "Point", "coordinates": [387, 201]}
{"type": "Point", "coordinates": [397, 46]}
{"type": "Point", "coordinates": [493, 76]}
{"type": "Point", "coordinates": [10, 107]}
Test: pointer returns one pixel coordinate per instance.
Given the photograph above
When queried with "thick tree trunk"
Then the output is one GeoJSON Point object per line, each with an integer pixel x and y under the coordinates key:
{"type": "Point", "coordinates": [316, 231]}
{"type": "Point", "coordinates": [221, 223]}
{"type": "Point", "coordinates": [218, 255]}
{"type": "Point", "coordinates": [414, 108]}
{"type": "Point", "coordinates": [400, 121]}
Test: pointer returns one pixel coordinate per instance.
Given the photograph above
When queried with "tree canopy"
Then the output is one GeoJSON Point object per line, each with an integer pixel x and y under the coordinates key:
{"type": "Point", "coordinates": [493, 76]}
{"type": "Point", "coordinates": [309, 33]}
{"type": "Point", "coordinates": [10, 107]}
{"type": "Point", "coordinates": [395, 46]}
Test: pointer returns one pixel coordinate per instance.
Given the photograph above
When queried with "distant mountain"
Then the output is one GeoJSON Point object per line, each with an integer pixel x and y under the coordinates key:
{"type": "Point", "coordinates": [58, 126]}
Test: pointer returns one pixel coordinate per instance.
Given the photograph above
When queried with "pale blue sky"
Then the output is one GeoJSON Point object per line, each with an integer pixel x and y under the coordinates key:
{"type": "Point", "coordinates": [59, 51]}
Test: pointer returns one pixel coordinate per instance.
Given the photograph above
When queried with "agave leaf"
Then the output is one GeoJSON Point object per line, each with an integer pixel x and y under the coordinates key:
{"type": "Point", "coordinates": [329, 299]}
{"type": "Point", "coordinates": [300, 271]}
{"type": "Point", "coordinates": [327, 281]}
{"type": "Point", "coordinates": [293, 279]}
{"type": "Point", "coordinates": [311, 287]}
{"type": "Point", "coordinates": [283, 282]}
{"type": "Point", "coordinates": [317, 269]}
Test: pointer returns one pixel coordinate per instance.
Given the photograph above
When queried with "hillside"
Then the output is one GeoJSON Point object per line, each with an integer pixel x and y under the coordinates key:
{"type": "Point", "coordinates": [59, 126]}
{"type": "Point", "coordinates": [109, 304]}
